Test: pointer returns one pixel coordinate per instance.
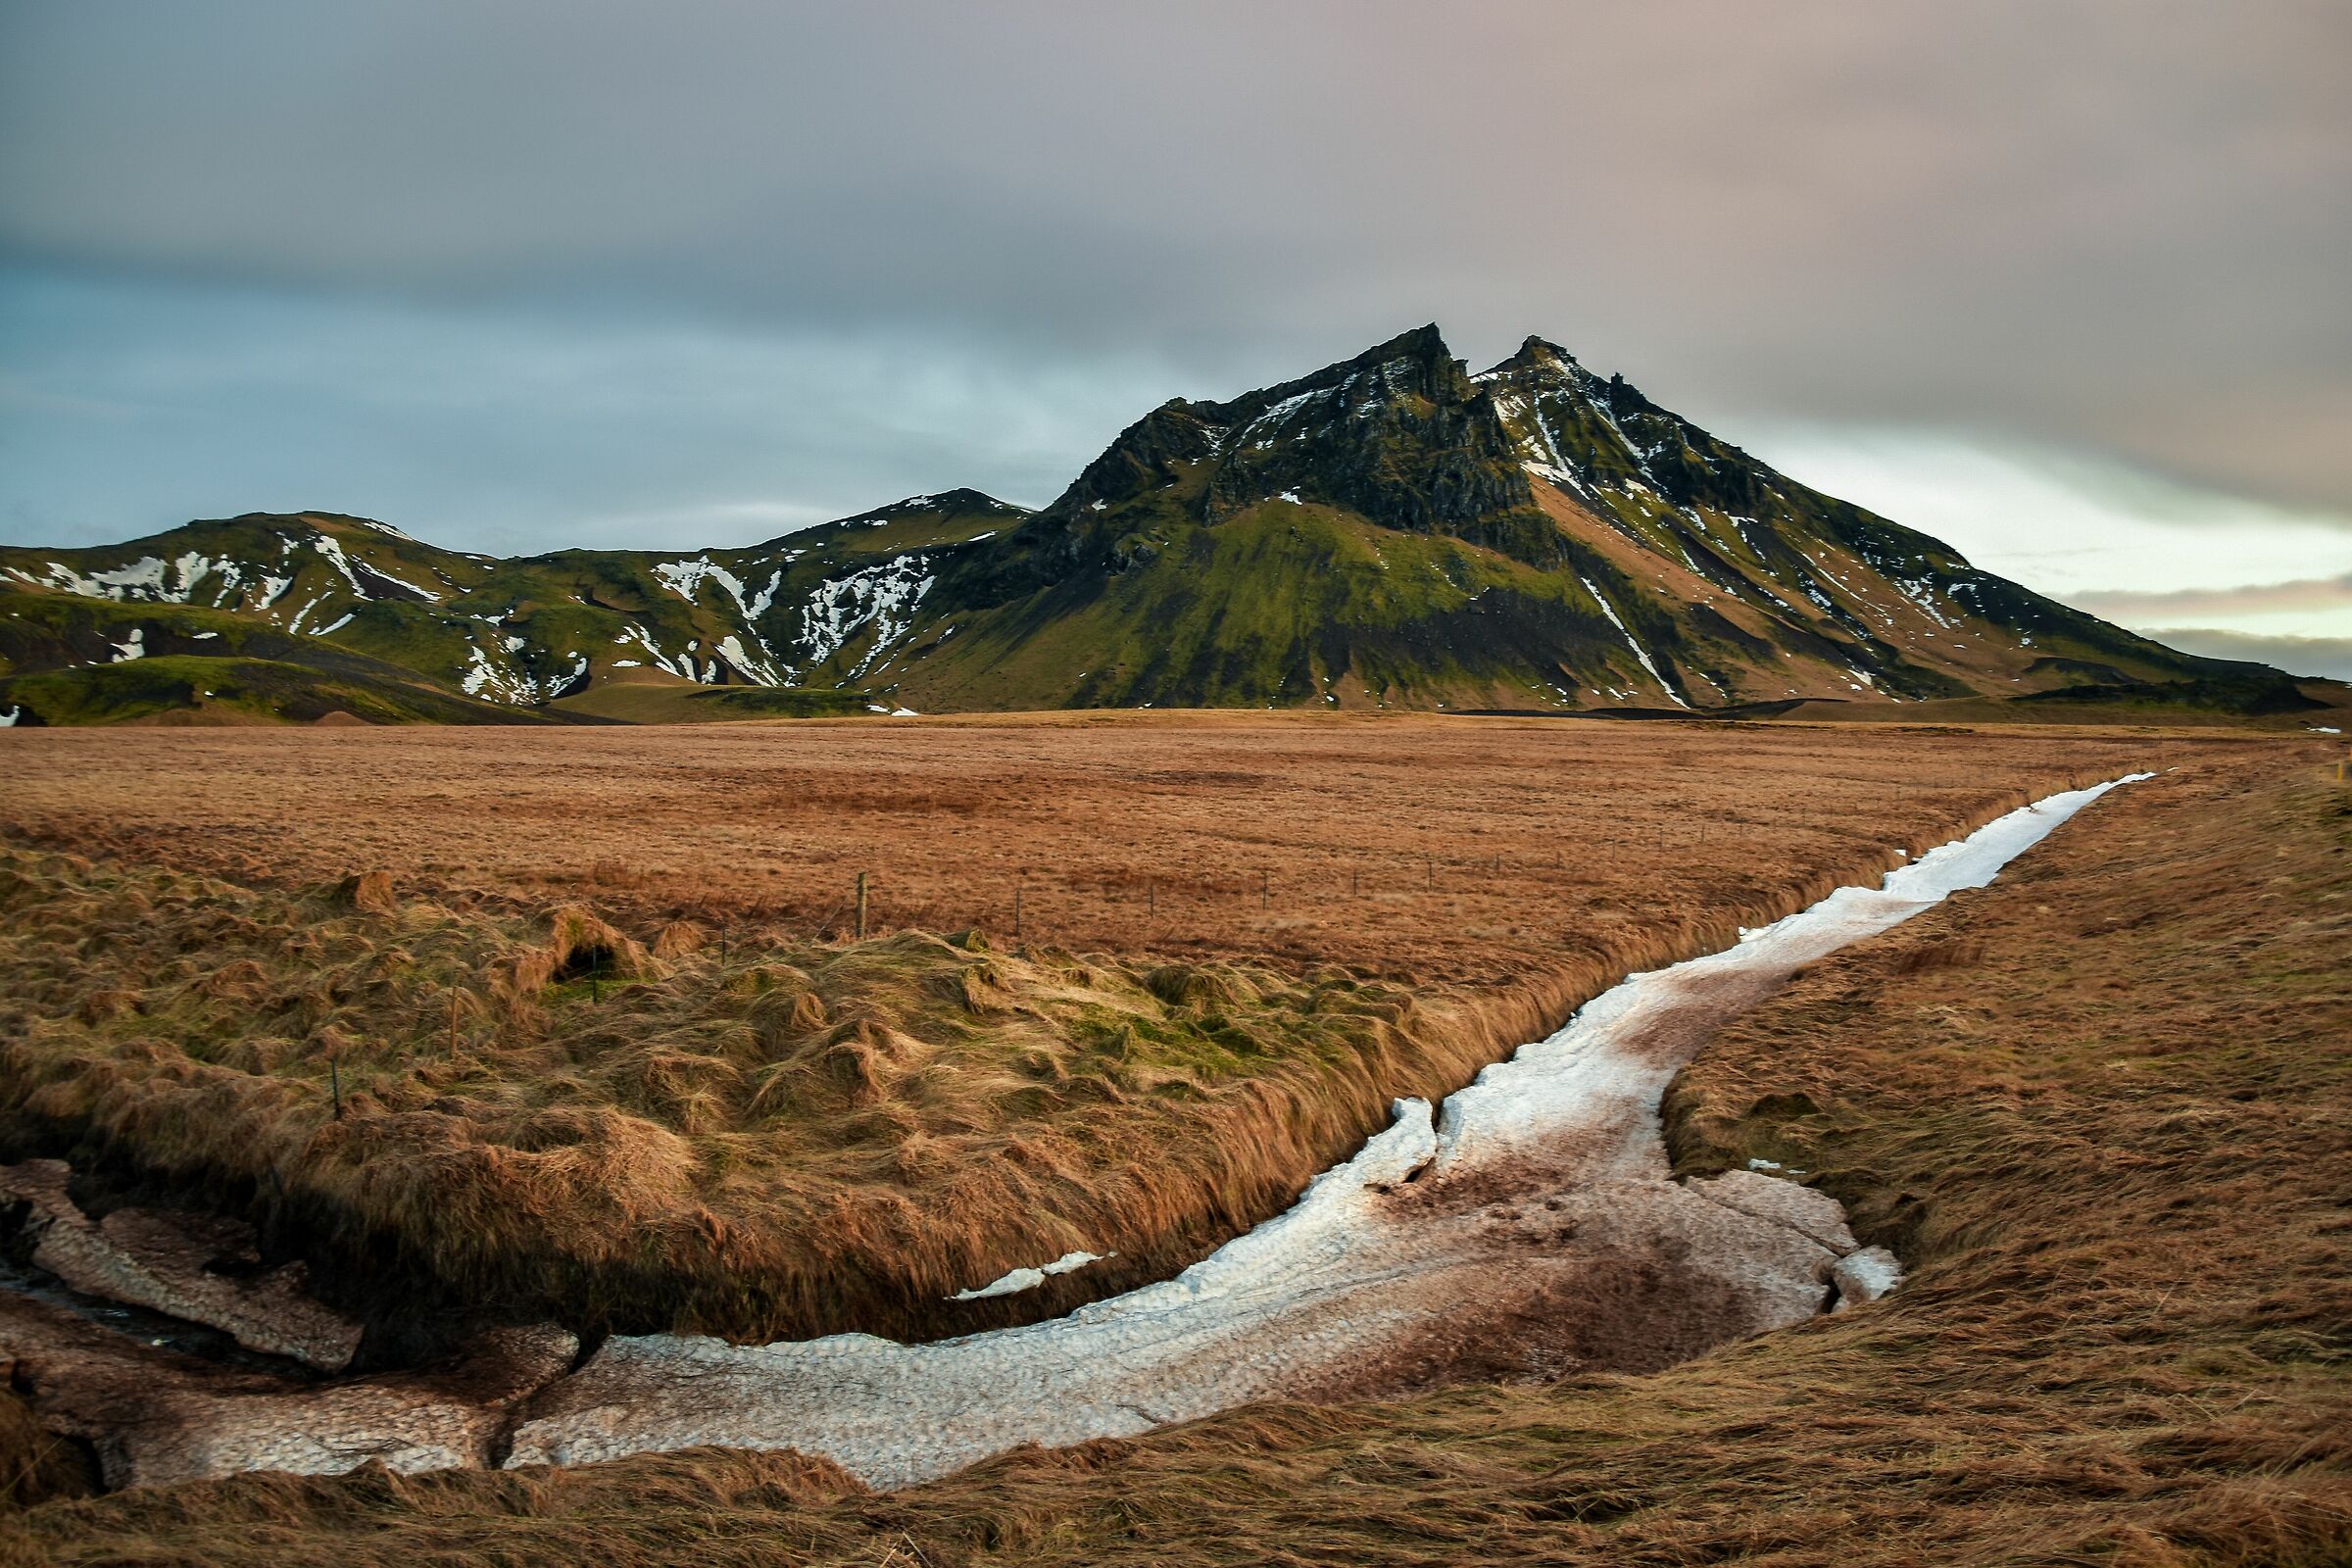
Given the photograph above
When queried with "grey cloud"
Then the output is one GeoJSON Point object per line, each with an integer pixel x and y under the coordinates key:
{"type": "Point", "coordinates": [2111, 223]}
{"type": "Point", "coordinates": [2310, 593]}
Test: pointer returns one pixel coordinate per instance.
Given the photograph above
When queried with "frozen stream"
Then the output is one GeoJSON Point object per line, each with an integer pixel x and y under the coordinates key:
{"type": "Point", "coordinates": [1533, 1227]}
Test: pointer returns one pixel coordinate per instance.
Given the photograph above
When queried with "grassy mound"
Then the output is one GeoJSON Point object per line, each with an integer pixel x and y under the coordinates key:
{"type": "Point", "coordinates": [455, 1111]}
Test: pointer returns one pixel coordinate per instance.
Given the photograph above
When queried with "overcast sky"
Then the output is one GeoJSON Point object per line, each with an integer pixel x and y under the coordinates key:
{"type": "Point", "coordinates": [2064, 283]}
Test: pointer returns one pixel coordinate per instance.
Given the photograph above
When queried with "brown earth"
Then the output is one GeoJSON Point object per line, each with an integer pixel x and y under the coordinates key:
{"type": "Point", "coordinates": [2099, 1108]}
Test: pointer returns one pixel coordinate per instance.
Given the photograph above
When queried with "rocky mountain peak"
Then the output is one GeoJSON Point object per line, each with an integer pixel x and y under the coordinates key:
{"type": "Point", "coordinates": [1535, 352]}
{"type": "Point", "coordinates": [1399, 433]}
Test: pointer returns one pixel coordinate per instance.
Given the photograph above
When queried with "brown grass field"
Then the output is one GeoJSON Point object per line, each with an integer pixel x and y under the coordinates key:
{"type": "Point", "coordinates": [629, 1127]}
{"type": "Point", "coordinates": [2101, 1108]}
{"type": "Point", "coordinates": [1455, 849]}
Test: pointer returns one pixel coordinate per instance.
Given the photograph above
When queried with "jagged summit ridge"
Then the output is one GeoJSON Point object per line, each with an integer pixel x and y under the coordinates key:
{"type": "Point", "coordinates": [1399, 433]}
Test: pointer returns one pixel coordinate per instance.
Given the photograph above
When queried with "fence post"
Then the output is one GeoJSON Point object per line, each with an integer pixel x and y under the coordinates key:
{"type": "Point", "coordinates": [861, 906]}
{"type": "Point", "coordinates": [452, 1017]}
{"type": "Point", "coordinates": [334, 1073]}
{"type": "Point", "coordinates": [1016, 911]}
{"type": "Point", "coordinates": [1152, 900]}
{"type": "Point", "coordinates": [1265, 888]}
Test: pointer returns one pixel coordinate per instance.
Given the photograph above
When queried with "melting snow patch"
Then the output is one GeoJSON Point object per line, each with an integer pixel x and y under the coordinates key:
{"type": "Point", "coordinates": [1029, 1279]}
{"type": "Point", "coordinates": [141, 579]}
{"type": "Point", "coordinates": [332, 550]}
{"type": "Point", "coordinates": [685, 578]}
{"type": "Point", "coordinates": [1864, 1276]}
{"type": "Point", "coordinates": [133, 649]}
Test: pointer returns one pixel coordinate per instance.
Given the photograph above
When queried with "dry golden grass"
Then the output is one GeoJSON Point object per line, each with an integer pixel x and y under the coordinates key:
{"type": "Point", "coordinates": [489, 1112]}
{"type": "Point", "coordinates": [792, 1138]}
{"type": "Point", "coordinates": [2106, 1124]}
{"type": "Point", "coordinates": [1453, 850]}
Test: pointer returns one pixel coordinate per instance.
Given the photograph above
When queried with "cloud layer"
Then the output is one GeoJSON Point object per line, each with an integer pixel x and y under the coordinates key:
{"type": "Point", "coordinates": [537, 270]}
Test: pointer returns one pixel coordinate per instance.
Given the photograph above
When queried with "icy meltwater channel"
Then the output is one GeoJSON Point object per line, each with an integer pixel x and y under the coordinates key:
{"type": "Point", "coordinates": [1532, 1227]}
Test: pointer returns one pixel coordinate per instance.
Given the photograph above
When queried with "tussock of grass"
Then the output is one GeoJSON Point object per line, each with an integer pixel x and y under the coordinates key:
{"type": "Point", "coordinates": [543, 1115]}
{"type": "Point", "coordinates": [2111, 1146]}
{"type": "Point", "coordinates": [36, 1465]}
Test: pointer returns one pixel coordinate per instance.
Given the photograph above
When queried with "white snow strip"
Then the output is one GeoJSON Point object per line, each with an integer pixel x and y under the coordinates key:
{"type": "Point", "coordinates": [1607, 610]}
{"type": "Point", "coordinates": [1014, 1280]}
{"type": "Point", "coordinates": [418, 589]}
{"type": "Point", "coordinates": [333, 549]}
{"type": "Point", "coordinates": [1566, 1131]}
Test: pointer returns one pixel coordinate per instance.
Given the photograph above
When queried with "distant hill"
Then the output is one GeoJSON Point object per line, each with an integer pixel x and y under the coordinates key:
{"type": "Point", "coordinates": [1390, 532]}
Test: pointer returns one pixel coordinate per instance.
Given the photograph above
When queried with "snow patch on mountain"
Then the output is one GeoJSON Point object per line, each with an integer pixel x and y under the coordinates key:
{"type": "Point", "coordinates": [1638, 653]}
{"type": "Point", "coordinates": [882, 596]}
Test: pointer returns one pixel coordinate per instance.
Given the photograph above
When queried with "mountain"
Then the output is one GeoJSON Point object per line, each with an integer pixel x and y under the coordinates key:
{"type": "Point", "coordinates": [1390, 532]}
{"type": "Point", "coordinates": [788, 626]}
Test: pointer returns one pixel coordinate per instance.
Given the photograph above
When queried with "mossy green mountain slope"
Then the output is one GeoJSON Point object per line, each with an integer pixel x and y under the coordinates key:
{"type": "Point", "coordinates": [1390, 532]}
{"type": "Point", "coordinates": [1394, 530]}
{"type": "Point", "coordinates": [69, 659]}
{"type": "Point", "coordinates": [510, 637]}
